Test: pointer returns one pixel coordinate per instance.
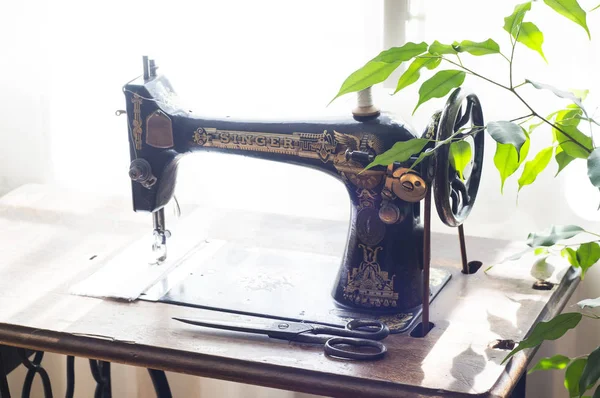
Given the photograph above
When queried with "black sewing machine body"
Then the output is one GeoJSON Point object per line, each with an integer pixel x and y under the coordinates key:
{"type": "Point", "coordinates": [385, 265]}
{"type": "Point", "coordinates": [382, 264]}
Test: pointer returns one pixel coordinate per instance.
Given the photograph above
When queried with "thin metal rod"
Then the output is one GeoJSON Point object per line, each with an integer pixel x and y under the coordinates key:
{"type": "Point", "coordinates": [426, 261]}
{"type": "Point", "coordinates": [101, 373]}
{"type": "Point", "coordinates": [160, 383]}
{"type": "Point", "coordinates": [4, 390]}
{"type": "Point", "coordinates": [105, 371]}
{"type": "Point", "coordinates": [463, 249]}
{"type": "Point", "coordinates": [158, 219]}
{"type": "Point", "coordinates": [70, 377]}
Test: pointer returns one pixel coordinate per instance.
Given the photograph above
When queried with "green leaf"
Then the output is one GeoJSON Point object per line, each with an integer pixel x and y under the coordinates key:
{"type": "Point", "coordinates": [570, 116]}
{"type": "Point", "coordinates": [550, 236]}
{"type": "Point", "coordinates": [588, 254]}
{"type": "Point", "coordinates": [571, 255]}
{"type": "Point", "coordinates": [530, 36]}
{"type": "Point", "coordinates": [559, 93]}
{"type": "Point", "coordinates": [512, 22]}
{"type": "Point", "coordinates": [402, 53]}
{"type": "Point", "coordinates": [540, 251]}
{"type": "Point", "coordinates": [597, 392]}
{"type": "Point", "coordinates": [572, 376]}
{"type": "Point", "coordinates": [460, 156]}
{"type": "Point", "coordinates": [535, 166]}
{"type": "Point", "coordinates": [577, 144]}
{"type": "Point", "coordinates": [482, 48]}
{"type": "Point", "coordinates": [379, 68]}
{"type": "Point", "coordinates": [555, 362]}
{"type": "Point", "coordinates": [551, 330]}
{"type": "Point", "coordinates": [571, 10]}
{"type": "Point", "coordinates": [593, 165]}
{"type": "Point", "coordinates": [413, 72]}
{"type": "Point", "coordinates": [440, 49]}
{"type": "Point", "coordinates": [589, 303]}
{"type": "Point", "coordinates": [562, 159]}
{"type": "Point", "coordinates": [507, 133]}
{"type": "Point", "coordinates": [507, 161]}
{"type": "Point", "coordinates": [439, 85]}
{"type": "Point", "coordinates": [524, 32]}
{"type": "Point", "coordinates": [401, 151]}
{"type": "Point", "coordinates": [591, 371]}
{"type": "Point", "coordinates": [540, 269]}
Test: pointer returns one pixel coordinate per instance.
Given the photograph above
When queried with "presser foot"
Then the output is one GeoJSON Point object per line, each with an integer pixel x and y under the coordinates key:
{"type": "Point", "coordinates": [159, 247]}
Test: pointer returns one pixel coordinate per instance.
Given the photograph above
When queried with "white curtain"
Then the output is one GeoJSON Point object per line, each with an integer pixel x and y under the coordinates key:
{"type": "Point", "coordinates": [64, 61]}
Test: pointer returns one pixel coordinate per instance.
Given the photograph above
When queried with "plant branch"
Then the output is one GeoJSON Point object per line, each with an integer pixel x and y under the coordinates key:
{"type": "Point", "coordinates": [548, 122]}
{"type": "Point", "coordinates": [512, 90]}
{"type": "Point", "coordinates": [512, 54]}
{"type": "Point", "coordinates": [522, 117]}
{"type": "Point", "coordinates": [592, 233]}
{"type": "Point", "coordinates": [476, 74]}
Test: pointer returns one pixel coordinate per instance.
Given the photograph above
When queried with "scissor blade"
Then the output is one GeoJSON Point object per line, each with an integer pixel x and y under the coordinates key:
{"type": "Point", "coordinates": [261, 328]}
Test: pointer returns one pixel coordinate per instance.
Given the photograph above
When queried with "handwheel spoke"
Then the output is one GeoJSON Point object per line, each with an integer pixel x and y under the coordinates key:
{"type": "Point", "coordinates": [455, 200]}
{"type": "Point", "coordinates": [464, 118]}
{"type": "Point", "coordinates": [460, 189]}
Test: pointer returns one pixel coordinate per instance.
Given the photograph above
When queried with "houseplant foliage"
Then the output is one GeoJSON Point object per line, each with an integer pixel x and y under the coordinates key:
{"type": "Point", "coordinates": [570, 126]}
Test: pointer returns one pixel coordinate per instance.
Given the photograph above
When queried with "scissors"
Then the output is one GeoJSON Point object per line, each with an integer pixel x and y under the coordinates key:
{"type": "Point", "coordinates": [333, 338]}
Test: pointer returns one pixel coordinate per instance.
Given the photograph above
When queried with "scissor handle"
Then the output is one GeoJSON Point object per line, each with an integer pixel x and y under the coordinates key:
{"type": "Point", "coordinates": [331, 348]}
{"type": "Point", "coordinates": [381, 331]}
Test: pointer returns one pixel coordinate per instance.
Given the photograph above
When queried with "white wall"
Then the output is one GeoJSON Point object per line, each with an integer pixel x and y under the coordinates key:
{"type": "Point", "coordinates": [24, 91]}
{"type": "Point", "coordinates": [63, 63]}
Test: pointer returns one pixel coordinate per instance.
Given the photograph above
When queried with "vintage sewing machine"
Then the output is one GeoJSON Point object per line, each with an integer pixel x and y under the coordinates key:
{"type": "Point", "coordinates": [386, 258]}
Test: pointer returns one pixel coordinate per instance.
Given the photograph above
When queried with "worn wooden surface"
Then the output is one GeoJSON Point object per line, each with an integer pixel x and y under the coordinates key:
{"type": "Point", "coordinates": [50, 240]}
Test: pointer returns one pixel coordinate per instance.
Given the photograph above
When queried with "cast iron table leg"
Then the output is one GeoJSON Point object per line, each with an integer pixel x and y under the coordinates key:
{"type": "Point", "coordinates": [4, 391]}
{"type": "Point", "coordinates": [161, 384]}
{"type": "Point", "coordinates": [101, 373]}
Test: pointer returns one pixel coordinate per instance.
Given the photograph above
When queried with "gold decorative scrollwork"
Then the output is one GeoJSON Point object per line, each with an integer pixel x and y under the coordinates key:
{"type": "Point", "coordinates": [307, 145]}
{"type": "Point", "coordinates": [369, 286]}
{"type": "Point", "coordinates": [137, 121]}
{"type": "Point", "coordinates": [366, 198]}
{"type": "Point", "coordinates": [200, 136]}
{"type": "Point", "coordinates": [327, 147]}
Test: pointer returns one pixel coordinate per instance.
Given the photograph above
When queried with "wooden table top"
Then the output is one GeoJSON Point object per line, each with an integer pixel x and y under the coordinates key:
{"type": "Point", "coordinates": [51, 239]}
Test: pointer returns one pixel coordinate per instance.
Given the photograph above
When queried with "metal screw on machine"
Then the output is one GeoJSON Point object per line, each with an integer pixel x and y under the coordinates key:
{"type": "Point", "coordinates": [389, 213]}
{"type": "Point", "coordinates": [140, 171]}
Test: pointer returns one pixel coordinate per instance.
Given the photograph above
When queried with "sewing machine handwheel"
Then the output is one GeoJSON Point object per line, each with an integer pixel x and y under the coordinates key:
{"type": "Point", "coordinates": [454, 198]}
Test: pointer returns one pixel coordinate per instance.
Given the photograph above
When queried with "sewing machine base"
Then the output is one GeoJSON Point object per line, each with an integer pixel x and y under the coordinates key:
{"type": "Point", "coordinates": [272, 283]}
